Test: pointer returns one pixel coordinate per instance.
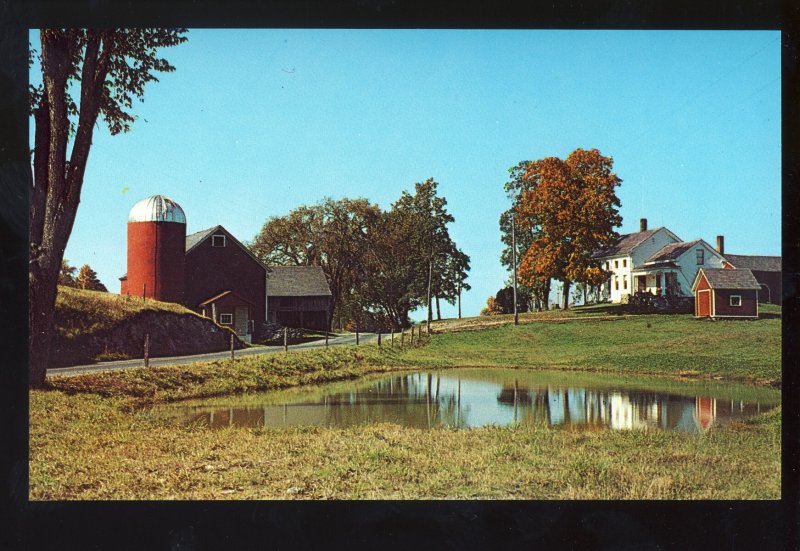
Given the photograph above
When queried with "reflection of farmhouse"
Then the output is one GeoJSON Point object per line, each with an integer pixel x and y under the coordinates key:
{"type": "Point", "coordinates": [657, 262]}
{"type": "Point", "coordinates": [211, 272]}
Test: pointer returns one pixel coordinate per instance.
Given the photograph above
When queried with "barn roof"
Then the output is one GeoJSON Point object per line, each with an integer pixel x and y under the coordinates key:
{"type": "Point", "coordinates": [194, 239]}
{"type": "Point", "coordinates": [672, 251]}
{"type": "Point", "coordinates": [626, 243]}
{"type": "Point", "coordinates": [721, 278]}
{"type": "Point", "coordinates": [297, 281]}
{"type": "Point", "coordinates": [757, 263]}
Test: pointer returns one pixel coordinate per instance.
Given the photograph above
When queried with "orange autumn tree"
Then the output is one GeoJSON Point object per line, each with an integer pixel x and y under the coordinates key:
{"type": "Point", "coordinates": [573, 205]}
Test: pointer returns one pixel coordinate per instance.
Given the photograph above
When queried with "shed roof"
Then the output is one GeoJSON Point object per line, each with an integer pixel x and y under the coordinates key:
{"type": "Point", "coordinates": [297, 281]}
{"type": "Point", "coordinates": [757, 263]}
{"type": "Point", "coordinates": [223, 295]}
{"type": "Point", "coordinates": [626, 243]}
{"type": "Point", "coordinates": [721, 278]}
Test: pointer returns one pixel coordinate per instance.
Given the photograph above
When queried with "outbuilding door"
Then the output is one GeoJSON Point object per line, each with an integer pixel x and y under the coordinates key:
{"type": "Point", "coordinates": [240, 320]}
{"type": "Point", "coordinates": [704, 302]}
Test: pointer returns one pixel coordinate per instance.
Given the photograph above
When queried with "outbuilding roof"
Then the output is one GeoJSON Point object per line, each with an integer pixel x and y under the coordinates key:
{"type": "Point", "coordinates": [757, 263]}
{"type": "Point", "coordinates": [297, 281]}
{"type": "Point", "coordinates": [626, 243]}
{"type": "Point", "coordinates": [721, 278]}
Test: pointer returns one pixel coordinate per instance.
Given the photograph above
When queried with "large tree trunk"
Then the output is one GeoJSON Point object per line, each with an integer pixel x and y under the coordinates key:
{"type": "Point", "coordinates": [57, 184]}
{"type": "Point", "coordinates": [566, 294]}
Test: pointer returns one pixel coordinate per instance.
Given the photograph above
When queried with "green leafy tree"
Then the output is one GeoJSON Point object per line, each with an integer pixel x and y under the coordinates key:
{"type": "Point", "coordinates": [108, 67]}
{"type": "Point", "coordinates": [87, 279]}
{"type": "Point", "coordinates": [504, 300]}
{"type": "Point", "coordinates": [332, 234]}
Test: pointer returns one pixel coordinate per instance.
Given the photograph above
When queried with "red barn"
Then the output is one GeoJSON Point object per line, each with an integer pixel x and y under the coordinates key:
{"type": "Point", "coordinates": [225, 281]}
{"type": "Point", "coordinates": [725, 293]}
{"type": "Point", "coordinates": [211, 272]}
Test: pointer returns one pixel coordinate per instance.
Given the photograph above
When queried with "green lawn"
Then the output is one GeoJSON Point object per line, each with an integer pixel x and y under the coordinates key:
{"type": "Point", "coordinates": [648, 344]}
{"type": "Point", "coordinates": [89, 439]}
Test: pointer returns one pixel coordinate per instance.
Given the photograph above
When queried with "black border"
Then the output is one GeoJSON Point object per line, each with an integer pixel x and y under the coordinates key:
{"type": "Point", "coordinates": [450, 524]}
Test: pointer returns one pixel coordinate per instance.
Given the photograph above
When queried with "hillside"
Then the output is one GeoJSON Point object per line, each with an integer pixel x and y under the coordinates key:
{"type": "Point", "coordinates": [95, 326]}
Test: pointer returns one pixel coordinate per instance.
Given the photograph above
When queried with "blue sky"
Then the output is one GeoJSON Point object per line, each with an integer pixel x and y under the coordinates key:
{"type": "Point", "coordinates": [256, 122]}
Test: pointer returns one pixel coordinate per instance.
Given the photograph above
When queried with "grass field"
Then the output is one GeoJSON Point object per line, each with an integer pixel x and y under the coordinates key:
{"type": "Point", "coordinates": [82, 312]}
{"type": "Point", "coordinates": [90, 440]}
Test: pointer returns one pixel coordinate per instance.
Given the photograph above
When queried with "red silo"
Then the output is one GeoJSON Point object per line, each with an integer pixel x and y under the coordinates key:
{"type": "Point", "coordinates": [156, 249]}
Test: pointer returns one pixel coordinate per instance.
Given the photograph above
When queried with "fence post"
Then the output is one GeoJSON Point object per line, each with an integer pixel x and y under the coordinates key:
{"type": "Point", "coordinates": [379, 338]}
{"type": "Point", "coordinates": [147, 349]}
{"type": "Point", "coordinates": [402, 337]}
{"type": "Point", "coordinates": [285, 339]}
{"type": "Point", "coordinates": [356, 335]}
{"type": "Point", "coordinates": [412, 335]}
{"type": "Point", "coordinates": [391, 343]}
{"type": "Point", "coordinates": [326, 339]}
{"type": "Point", "coordinates": [232, 357]}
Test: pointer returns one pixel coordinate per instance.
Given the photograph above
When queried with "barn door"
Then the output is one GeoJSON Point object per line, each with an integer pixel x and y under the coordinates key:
{"type": "Point", "coordinates": [240, 320]}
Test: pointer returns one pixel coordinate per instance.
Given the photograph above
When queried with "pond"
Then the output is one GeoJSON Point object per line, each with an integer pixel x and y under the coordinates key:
{"type": "Point", "coordinates": [466, 398]}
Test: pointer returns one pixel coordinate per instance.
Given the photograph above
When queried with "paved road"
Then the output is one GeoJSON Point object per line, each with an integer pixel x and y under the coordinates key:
{"type": "Point", "coordinates": [211, 356]}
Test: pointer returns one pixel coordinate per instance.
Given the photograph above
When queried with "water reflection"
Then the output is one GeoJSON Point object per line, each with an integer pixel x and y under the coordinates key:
{"type": "Point", "coordinates": [426, 400]}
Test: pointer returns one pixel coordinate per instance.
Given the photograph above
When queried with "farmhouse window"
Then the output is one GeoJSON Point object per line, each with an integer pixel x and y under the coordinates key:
{"type": "Point", "coordinates": [700, 255]}
{"type": "Point", "coordinates": [736, 300]}
{"type": "Point", "coordinates": [616, 283]}
{"type": "Point", "coordinates": [616, 263]}
{"type": "Point", "coordinates": [217, 240]}
{"type": "Point", "coordinates": [624, 262]}
{"type": "Point", "coordinates": [226, 319]}
{"type": "Point", "coordinates": [624, 282]}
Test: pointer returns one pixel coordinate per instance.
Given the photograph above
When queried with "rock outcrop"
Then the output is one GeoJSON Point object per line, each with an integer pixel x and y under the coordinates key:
{"type": "Point", "coordinates": [171, 334]}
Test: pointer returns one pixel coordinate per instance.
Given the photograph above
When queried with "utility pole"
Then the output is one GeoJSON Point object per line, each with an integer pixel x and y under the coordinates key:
{"type": "Point", "coordinates": [514, 262]}
{"type": "Point", "coordinates": [430, 275]}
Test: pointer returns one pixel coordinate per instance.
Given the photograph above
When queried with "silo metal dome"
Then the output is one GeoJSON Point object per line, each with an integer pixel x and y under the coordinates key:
{"type": "Point", "coordinates": [157, 209]}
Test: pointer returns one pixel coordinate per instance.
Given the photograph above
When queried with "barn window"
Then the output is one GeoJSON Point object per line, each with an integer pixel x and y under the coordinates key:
{"type": "Point", "coordinates": [217, 240]}
{"type": "Point", "coordinates": [700, 255]}
{"type": "Point", "coordinates": [226, 319]}
{"type": "Point", "coordinates": [736, 300]}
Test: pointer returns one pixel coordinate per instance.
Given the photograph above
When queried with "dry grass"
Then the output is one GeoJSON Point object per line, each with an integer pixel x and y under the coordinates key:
{"type": "Point", "coordinates": [86, 447]}
{"type": "Point", "coordinates": [82, 312]}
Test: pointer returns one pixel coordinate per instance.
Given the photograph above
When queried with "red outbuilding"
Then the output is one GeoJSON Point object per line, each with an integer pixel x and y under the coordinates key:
{"type": "Point", "coordinates": [725, 293]}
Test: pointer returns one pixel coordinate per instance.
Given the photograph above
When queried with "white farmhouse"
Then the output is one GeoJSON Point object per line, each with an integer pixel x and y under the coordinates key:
{"type": "Point", "coordinates": [656, 262]}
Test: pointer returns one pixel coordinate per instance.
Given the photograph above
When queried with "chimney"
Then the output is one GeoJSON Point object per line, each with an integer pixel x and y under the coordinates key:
{"type": "Point", "coordinates": [642, 224]}
{"type": "Point", "coordinates": [721, 244]}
